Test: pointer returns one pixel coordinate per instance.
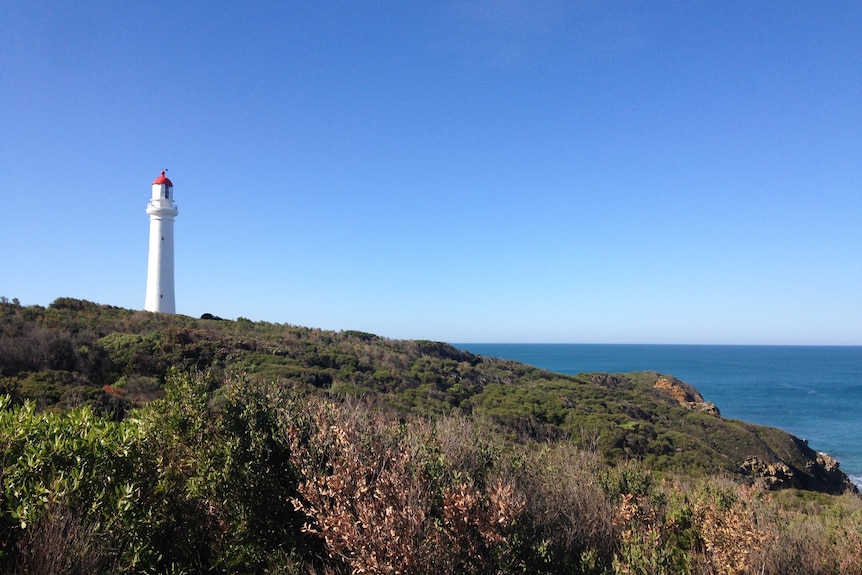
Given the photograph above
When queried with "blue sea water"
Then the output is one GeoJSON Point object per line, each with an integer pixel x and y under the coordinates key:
{"type": "Point", "coordinates": [814, 392]}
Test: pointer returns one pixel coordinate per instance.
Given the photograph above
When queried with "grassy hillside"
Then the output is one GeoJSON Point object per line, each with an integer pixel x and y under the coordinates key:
{"type": "Point", "coordinates": [141, 443]}
{"type": "Point", "coordinates": [80, 353]}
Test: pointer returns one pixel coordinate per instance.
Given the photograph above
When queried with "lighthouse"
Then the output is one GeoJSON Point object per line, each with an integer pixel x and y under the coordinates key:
{"type": "Point", "coordinates": [160, 266]}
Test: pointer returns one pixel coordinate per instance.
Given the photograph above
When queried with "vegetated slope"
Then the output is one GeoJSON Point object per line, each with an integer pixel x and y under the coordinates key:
{"type": "Point", "coordinates": [77, 352]}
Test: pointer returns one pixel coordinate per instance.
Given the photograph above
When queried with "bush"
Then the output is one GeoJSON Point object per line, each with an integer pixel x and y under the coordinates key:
{"type": "Point", "coordinates": [200, 480]}
{"type": "Point", "coordinates": [233, 476]}
{"type": "Point", "coordinates": [75, 468]}
{"type": "Point", "coordinates": [224, 475]}
{"type": "Point", "coordinates": [384, 499]}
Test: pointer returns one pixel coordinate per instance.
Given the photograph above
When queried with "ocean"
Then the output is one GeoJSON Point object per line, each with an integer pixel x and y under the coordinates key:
{"type": "Point", "coordinates": [814, 392]}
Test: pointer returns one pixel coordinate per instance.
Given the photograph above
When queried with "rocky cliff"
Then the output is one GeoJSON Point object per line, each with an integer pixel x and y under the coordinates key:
{"type": "Point", "coordinates": [818, 472]}
{"type": "Point", "coordinates": [685, 394]}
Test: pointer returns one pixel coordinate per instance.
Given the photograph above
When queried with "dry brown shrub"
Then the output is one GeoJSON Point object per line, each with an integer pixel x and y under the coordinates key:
{"type": "Point", "coordinates": [728, 526]}
{"type": "Point", "coordinates": [640, 536]}
{"type": "Point", "coordinates": [360, 495]}
{"type": "Point", "coordinates": [474, 521]}
{"type": "Point", "coordinates": [367, 492]}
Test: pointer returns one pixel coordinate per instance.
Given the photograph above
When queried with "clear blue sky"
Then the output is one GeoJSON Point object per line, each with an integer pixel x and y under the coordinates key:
{"type": "Point", "coordinates": [466, 171]}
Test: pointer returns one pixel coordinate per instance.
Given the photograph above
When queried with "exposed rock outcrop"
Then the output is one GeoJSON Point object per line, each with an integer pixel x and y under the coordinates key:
{"type": "Point", "coordinates": [685, 394]}
{"type": "Point", "coordinates": [825, 469]}
{"type": "Point", "coordinates": [821, 473]}
{"type": "Point", "coordinates": [776, 475]}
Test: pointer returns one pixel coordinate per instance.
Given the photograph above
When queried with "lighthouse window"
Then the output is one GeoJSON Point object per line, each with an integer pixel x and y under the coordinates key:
{"type": "Point", "coordinates": [168, 193]}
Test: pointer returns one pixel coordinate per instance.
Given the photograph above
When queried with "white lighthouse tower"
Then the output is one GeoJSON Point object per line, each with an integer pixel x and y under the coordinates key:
{"type": "Point", "coordinates": [160, 267]}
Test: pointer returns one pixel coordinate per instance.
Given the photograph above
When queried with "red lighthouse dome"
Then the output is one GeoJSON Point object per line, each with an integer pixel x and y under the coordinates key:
{"type": "Point", "coordinates": [162, 180]}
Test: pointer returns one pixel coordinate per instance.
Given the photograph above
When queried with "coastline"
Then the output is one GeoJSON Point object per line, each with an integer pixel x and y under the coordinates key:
{"type": "Point", "coordinates": [808, 391]}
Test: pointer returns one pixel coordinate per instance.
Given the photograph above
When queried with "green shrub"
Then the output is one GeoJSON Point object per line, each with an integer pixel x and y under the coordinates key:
{"type": "Point", "coordinates": [76, 467]}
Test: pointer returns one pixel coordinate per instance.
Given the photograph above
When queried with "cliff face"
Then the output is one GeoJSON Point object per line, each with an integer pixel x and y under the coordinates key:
{"type": "Point", "coordinates": [820, 473]}
{"type": "Point", "coordinates": [685, 394]}
{"type": "Point", "coordinates": [817, 472]}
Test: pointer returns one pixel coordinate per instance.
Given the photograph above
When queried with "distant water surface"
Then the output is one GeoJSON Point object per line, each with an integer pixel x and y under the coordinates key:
{"type": "Point", "coordinates": [813, 392]}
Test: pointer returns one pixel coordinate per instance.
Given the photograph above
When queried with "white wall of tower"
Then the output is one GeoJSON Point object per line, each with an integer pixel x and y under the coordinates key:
{"type": "Point", "coordinates": [160, 264]}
